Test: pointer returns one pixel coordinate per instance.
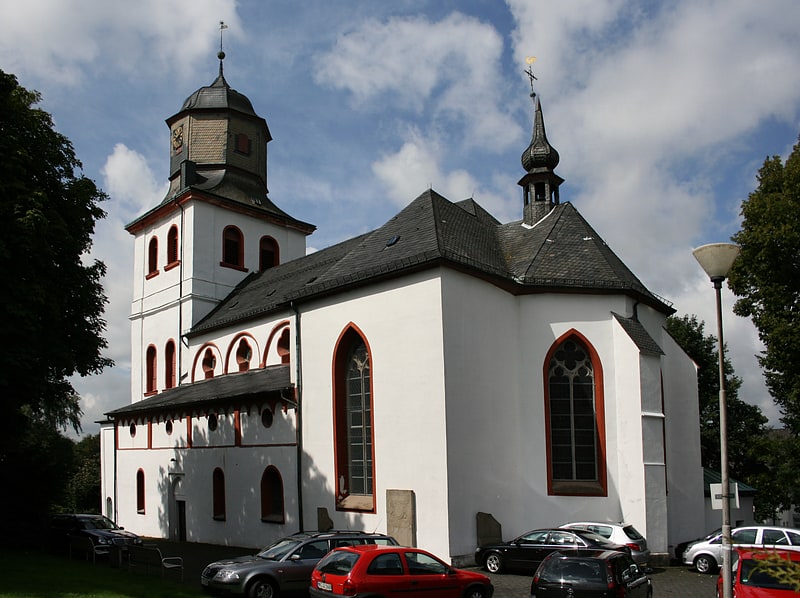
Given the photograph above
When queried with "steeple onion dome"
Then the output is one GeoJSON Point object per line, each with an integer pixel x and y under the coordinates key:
{"type": "Point", "coordinates": [539, 154]}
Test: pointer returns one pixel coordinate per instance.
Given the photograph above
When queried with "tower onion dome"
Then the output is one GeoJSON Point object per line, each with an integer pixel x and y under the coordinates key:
{"type": "Point", "coordinates": [539, 154]}
{"type": "Point", "coordinates": [219, 95]}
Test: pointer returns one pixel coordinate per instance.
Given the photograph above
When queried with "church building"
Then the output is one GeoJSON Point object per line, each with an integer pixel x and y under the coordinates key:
{"type": "Point", "coordinates": [439, 371]}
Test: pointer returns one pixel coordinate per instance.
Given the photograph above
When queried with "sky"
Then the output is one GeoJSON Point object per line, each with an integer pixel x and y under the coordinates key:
{"type": "Point", "coordinates": [662, 113]}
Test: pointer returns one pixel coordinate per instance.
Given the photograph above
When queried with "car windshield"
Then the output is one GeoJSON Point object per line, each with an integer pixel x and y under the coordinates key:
{"type": "Point", "coordinates": [98, 523]}
{"type": "Point", "coordinates": [279, 549]}
{"type": "Point", "coordinates": [760, 575]}
{"type": "Point", "coordinates": [338, 562]}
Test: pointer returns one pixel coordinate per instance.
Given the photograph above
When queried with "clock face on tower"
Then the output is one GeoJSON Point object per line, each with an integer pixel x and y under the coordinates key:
{"type": "Point", "coordinates": [177, 139]}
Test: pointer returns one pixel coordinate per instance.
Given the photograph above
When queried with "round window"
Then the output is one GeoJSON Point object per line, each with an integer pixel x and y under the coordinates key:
{"type": "Point", "coordinates": [267, 417]}
{"type": "Point", "coordinates": [132, 430]}
{"type": "Point", "coordinates": [168, 426]}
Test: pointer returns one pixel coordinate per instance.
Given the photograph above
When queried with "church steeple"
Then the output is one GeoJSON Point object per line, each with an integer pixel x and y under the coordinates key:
{"type": "Point", "coordinates": [540, 184]}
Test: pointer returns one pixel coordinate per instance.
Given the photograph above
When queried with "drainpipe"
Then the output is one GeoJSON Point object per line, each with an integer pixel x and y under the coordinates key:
{"type": "Point", "coordinates": [299, 399]}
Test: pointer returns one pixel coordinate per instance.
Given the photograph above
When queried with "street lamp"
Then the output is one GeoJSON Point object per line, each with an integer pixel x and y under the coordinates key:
{"type": "Point", "coordinates": [716, 259]}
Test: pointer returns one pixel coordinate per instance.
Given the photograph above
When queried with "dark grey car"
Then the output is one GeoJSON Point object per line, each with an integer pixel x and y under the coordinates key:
{"type": "Point", "coordinates": [590, 574]}
{"type": "Point", "coordinates": [283, 566]}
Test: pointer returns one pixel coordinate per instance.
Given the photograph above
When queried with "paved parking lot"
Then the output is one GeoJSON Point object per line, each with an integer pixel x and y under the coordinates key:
{"type": "Point", "coordinates": [668, 582]}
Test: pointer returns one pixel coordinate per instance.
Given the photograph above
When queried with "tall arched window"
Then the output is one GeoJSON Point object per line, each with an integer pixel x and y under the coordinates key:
{"type": "Point", "coordinates": [169, 364]}
{"type": "Point", "coordinates": [218, 482]}
{"type": "Point", "coordinates": [150, 371]}
{"type": "Point", "coordinates": [353, 424]}
{"type": "Point", "coordinates": [575, 419]}
{"type": "Point", "coordinates": [272, 496]}
{"type": "Point", "coordinates": [140, 491]}
{"type": "Point", "coordinates": [232, 247]}
{"type": "Point", "coordinates": [152, 257]}
{"type": "Point", "coordinates": [268, 254]}
{"type": "Point", "coordinates": [172, 245]}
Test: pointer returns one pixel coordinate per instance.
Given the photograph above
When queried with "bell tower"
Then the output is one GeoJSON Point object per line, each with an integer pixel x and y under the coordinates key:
{"type": "Point", "coordinates": [215, 226]}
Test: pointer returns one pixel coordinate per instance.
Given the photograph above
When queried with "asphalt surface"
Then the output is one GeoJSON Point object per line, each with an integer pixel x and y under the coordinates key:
{"type": "Point", "coordinates": [678, 581]}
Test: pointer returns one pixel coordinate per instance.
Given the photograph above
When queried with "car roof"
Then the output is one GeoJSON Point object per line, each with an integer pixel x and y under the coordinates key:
{"type": "Point", "coordinates": [584, 553]}
{"type": "Point", "coordinates": [614, 523]}
{"type": "Point", "coordinates": [372, 548]}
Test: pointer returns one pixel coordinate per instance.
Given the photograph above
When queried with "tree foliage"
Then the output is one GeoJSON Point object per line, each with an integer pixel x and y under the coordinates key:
{"type": "Point", "coordinates": [766, 277]}
{"type": "Point", "coordinates": [756, 456]}
{"type": "Point", "coordinates": [52, 306]}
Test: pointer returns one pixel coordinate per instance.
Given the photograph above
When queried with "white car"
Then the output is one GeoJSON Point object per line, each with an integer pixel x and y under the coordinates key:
{"type": "Point", "coordinates": [706, 555]}
{"type": "Point", "coordinates": [618, 533]}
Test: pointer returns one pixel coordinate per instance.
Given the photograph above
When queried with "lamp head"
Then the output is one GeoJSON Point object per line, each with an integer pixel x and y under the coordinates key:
{"type": "Point", "coordinates": [716, 259]}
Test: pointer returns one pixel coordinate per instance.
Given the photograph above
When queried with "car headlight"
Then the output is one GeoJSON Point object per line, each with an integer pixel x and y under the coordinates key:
{"type": "Point", "coordinates": [102, 540]}
{"type": "Point", "coordinates": [226, 576]}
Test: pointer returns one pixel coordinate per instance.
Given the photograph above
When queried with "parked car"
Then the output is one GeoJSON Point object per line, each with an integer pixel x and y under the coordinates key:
{"type": "Point", "coordinates": [750, 581]}
{"type": "Point", "coordinates": [529, 549]}
{"type": "Point", "coordinates": [590, 574]}
{"type": "Point", "coordinates": [393, 570]}
{"type": "Point", "coordinates": [99, 528]}
{"type": "Point", "coordinates": [619, 533]}
{"type": "Point", "coordinates": [706, 555]}
{"type": "Point", "coordinates": [285, 565]}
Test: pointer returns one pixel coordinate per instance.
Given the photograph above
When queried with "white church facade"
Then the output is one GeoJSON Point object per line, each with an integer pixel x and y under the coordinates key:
{"type": "Point", "coordinates": [442, 366]}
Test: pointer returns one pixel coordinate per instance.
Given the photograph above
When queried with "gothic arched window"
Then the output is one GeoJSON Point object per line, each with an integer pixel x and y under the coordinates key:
{"type": "Point", "coordinates": [575, 419]}
{"type": "Point", "coordinates": [355, 467]}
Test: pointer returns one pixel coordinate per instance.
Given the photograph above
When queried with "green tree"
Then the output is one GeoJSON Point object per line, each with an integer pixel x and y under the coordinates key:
{"type": "Point", "coordinates": [766, 277]}
{"type": "Point", "coordinates": [753, 453]}
{"type": "Point", "coordinates": [84, 486]}
{"type": "Point", "coordinates": [53, 302]}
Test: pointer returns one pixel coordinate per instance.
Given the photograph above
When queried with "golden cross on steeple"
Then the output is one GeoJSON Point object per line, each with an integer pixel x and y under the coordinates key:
{"type": "Point", "coordinates": [529, 71]}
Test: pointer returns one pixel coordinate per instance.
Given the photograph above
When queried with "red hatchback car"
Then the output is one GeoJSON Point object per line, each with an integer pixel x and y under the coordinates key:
{"type": "Point", "coordinates": [360, 571]}
{"type": "Point", "coordinates": [751, 581]}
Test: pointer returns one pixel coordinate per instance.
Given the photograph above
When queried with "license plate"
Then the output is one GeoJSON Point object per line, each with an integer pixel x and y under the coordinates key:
{"type": "Point", "coordinates": [324, 586]}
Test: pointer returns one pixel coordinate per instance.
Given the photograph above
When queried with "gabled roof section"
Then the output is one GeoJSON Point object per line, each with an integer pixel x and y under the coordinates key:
{"type": "Point", "coordinates": [639, 335]}
{"type": "Point", "coordinates": [561, 253]}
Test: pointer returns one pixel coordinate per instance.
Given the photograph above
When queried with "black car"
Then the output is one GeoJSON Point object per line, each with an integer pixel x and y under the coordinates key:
{"type": "Point", "coordinates": [530, 549]}
{"type": "Point", "coordinates": [99, 528]}
{"type": "Point", "coordinates": [590, 574]}
{"type": "Point", "coordinates": [283, 566]}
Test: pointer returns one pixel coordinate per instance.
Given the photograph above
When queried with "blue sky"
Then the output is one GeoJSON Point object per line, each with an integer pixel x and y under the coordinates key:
{"type": "Point", "coordinates": [662, 113]}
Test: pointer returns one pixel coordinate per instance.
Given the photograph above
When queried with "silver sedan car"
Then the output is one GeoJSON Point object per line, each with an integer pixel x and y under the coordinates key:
{"type": "Point", "coordinates": [706, 555]}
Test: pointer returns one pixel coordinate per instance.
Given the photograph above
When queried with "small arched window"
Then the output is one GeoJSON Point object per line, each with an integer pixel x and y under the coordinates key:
{"type": "Point", "coordinates": [243, 355]}
{"type": "Point", "coordinates": [268, 253]}
{"type": "Point", "coordinates": [209, 363]}
{"type": "Point", "coordinates": [218, 490]}
{"type": "Point", "coordinates": [150, 371]}
{"type": "Point", "coordinates": [169, 364]}
{"type": "Point", "coordinates": [283, 346]}
{"type": "Point", "coordinates": [152, 257]}
{"type": "Point", "coordinates": [232, 248]}
{"type": "Point", "coordinates": [272, 496]}
{"type": "Point", "coordinates": [140, 492]}
{"type": "Point", "coordinates": [172, 245]}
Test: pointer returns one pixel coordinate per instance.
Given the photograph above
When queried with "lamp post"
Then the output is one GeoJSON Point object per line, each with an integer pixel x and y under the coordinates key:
{"type": "Point", "coordinates": [716, 259]}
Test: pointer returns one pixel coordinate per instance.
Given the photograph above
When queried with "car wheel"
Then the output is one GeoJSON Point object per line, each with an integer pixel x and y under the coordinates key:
{"type": "Point", "coordinates": [475, 592]}
{"type": "Point", "coordinates": [262, 588]}
{"type": "Point", "coordinates": [494, 564]}
{"type": "Point", "coordinates": [705, 564]}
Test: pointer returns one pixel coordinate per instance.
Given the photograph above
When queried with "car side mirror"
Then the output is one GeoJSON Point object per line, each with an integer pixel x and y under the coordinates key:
{"type": "Point", "coordinates": [294, 557]}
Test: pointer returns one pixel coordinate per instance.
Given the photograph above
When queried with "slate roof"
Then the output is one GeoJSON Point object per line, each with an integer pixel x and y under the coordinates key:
{"type": "Point", "coordinates": [639, 335]}
{"type": "Point", "coordinates": [560, 253]}
{"type": "Point", "coordinates": [270, 384]}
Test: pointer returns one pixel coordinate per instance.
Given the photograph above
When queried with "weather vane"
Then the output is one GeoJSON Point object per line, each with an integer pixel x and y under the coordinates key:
{"type": "Point", "coordinates": [222, 27]}
{"type": "Point", "coordinates": [529, 71]}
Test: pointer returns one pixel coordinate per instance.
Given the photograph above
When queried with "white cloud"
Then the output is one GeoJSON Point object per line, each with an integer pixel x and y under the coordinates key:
{"type": "Point", "coordinates": [450, 68]}
{"type": "Point", "coordinates": [64, 41]}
